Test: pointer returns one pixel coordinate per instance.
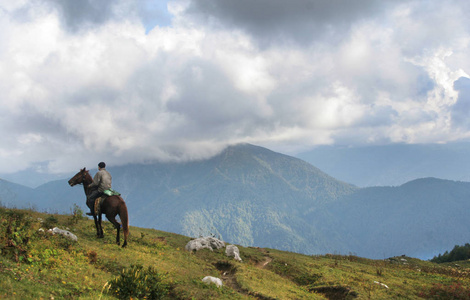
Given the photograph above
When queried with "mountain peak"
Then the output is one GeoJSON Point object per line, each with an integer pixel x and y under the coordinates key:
{"type": "Point", "coordinates": [247, 148]}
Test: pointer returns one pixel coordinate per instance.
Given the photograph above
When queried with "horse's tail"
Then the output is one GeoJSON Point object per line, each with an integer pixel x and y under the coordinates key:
{"type": "Point", "coordinates": [123, 215]}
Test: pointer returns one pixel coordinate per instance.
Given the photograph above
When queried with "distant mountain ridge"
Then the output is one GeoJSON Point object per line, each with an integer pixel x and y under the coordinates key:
{"type": "Point", "coordinates": [420, 218]}
{"type": "Point", "coordinates": [12, 194]}
{"type": "Point", "coordinates": [392, 165]}
{"type": "Point", "coordinates": [253, 196]}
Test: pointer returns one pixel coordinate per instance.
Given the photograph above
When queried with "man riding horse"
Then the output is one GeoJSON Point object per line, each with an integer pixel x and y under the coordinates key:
{"type": "Point", "coordinates": [101, 182]}
{"type": "Point", "coordinates": [110, 206]}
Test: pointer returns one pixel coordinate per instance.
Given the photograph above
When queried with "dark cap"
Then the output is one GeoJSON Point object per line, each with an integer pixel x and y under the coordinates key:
{"type": "Point", "coordinates": [102, 165]}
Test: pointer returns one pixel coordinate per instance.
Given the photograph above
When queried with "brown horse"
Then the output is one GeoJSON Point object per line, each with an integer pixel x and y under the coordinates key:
{"type": "Point", "coordinates": [111, 206]}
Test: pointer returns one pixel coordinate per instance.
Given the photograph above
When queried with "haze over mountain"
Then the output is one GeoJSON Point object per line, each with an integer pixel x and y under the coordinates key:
{"type": "Point", "coordinates": [392, 165]}
{"type": "Point", "coordinates": [387, 165]}
{"type": "Point", "coordinates": [252, 196]}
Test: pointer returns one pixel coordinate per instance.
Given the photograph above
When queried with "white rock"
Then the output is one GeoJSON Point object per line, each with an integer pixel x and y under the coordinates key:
{"type": "Point", "coordinates": [214, 280]}
{"type": "Point", "coordinates": [65, 233]}
{"type": "Point", "coordinates": [232, 250]}
{"type": "Point", "coordinates": [204, 242]}
{"type": "Point", "coordinates": [382, 284]}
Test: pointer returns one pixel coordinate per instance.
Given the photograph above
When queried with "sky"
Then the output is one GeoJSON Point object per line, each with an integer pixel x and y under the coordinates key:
{"type": "Point", "coordinates": [130, 81]}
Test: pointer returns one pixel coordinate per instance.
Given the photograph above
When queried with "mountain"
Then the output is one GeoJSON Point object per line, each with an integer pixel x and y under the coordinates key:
{"type": "Point", "coordinates": [16, 195]}
{"type": "Point", "coordinates": [60, 197]}
{"type": "Point", "coordinates": [392, 165]}
{"type": "Point", "coordinates": [33, 177]}
{"type": "Point", "coordinates": [247, 194]}
{"type": "Point", "coordinates": [420, 218]}
{"type": "Point", "coordinates": [252, 196]}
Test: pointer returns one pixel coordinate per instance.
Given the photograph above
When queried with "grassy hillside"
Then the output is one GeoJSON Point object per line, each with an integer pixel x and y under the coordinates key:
{"type": "Point", "coordinates": [34, 265]}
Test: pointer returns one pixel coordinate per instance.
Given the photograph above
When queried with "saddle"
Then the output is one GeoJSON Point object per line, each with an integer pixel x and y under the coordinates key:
{"type": "Point", "coordinates": [99, 200]}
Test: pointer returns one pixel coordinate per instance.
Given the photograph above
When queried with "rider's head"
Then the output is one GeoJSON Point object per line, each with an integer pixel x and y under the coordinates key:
{"type": "Point", "coordinates": [101, 165]}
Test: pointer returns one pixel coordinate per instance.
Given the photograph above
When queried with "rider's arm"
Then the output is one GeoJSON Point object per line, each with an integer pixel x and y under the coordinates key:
{"type": "Point", "coordinates": [96, 180]}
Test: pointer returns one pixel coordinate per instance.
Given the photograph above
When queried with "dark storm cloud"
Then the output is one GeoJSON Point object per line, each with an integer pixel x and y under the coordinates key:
{"type": "Point", "coordinates": [78, 15]}
{"type": "Point", "coordinates": [300, 21]}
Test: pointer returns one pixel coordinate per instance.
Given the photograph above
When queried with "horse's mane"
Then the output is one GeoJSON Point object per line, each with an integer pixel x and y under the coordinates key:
{"type": "Point", "coordinates": [88, 176]}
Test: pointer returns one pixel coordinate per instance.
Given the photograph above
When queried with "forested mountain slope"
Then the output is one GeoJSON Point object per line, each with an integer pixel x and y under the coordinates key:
{"type": "Point", "coordinates": [252, 196]}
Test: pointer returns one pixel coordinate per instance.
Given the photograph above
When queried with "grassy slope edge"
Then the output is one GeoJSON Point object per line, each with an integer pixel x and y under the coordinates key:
{"type": "Point", "coordinates": [41, 266]}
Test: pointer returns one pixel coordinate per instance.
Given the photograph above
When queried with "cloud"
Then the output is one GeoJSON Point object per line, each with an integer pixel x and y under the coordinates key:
{"type": "Point", "coordinates": [82, 84]}
{"type": "Point", "coordinates": [461, 108]}
{"type": "Point", "coordinates": [82, 15]}
{"type": "Point", "coordinates": [274, 21]}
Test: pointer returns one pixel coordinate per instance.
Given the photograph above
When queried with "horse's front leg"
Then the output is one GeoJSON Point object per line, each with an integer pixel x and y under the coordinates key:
{"type": "Point", "coordinates": [100, 232]}
{"type": "Point", "coordinates": [97, 226]}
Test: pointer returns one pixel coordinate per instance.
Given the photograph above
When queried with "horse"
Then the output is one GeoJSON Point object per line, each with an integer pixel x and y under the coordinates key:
{"type": "Point", "coordinates": [111, 206]}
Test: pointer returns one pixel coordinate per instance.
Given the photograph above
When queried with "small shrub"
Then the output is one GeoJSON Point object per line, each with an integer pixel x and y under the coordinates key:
{"type": "Point", "coordinates": [18, 230]}
{"type": "Point", "coordinates": [50, 222]}
{"type": "Point", "coordinates": [64, 242]}
{"type": "Point", "coordinates": [224, 266]}
{"type": "Point", "coordinates": [142, 240]}
{"type": "Point", "coordinates": [379, 268]}
{"type": "Point", "coordinates": [92, 256]}
{"type": "Point", "coordinates": [137, 282]}
{"type": "Point", "coordinates": [47, 257]}
{"type": "Point", "coordinates": [76, 214]}
{"type": "Point", "coordinates": [446, 291]}
{"type": "Point", "coordinates": [352, 257]}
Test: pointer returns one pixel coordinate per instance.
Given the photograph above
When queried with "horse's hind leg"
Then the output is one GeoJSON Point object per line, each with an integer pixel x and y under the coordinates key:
{"type": "Point", "coordinates": [117, 225]}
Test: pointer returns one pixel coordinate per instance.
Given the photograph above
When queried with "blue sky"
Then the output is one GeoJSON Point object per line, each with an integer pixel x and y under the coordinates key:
{"type": "Point", "coordinates": [156, 14]}
{"type": "Point", "coordinates": [131, 81]}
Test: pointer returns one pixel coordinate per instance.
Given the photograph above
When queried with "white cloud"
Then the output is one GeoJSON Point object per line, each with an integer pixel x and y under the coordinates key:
{"type": "Point", "coordinates": [81, 87]}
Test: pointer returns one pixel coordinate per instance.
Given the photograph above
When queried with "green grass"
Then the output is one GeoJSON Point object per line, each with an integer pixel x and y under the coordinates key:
{"type": "Point", "coordinates": [36, 265]}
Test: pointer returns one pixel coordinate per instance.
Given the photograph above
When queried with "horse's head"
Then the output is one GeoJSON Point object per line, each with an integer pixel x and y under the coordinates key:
{"type": "Point", "coordinates": [79, 178]}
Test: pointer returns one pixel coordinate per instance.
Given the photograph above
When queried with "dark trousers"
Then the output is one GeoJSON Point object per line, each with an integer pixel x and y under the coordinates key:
{"type": "Point", "coordinates": [90, 200]}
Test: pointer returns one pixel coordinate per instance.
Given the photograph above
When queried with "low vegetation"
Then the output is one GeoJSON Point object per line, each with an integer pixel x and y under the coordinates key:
{"type": "Point", "coordinates": [37, 265]}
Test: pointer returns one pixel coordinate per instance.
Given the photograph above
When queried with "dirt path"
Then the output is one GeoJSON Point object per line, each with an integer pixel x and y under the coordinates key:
{"type": "Point", "coordinates": [264, 263]}
{"type": "Point", "coordinates": [228, 273]}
